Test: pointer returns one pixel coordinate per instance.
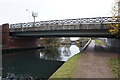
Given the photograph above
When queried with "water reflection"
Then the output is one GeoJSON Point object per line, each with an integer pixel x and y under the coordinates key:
{"type": "Point", "coordinates": [74, 49]}
{"type": "Point", "coordinates": [65, 51]}
{"type": "Point", "coordinates": [25, 64]}
{"type": "Point", "coordinates": [51, 53]}
{"type": "Point", "coordinates": [61, 53]}
{"type": "Point", "coordinates": [38, 63]}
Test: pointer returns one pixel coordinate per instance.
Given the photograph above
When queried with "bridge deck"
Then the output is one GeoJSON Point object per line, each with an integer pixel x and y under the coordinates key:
{"type": "Point", "coordinates": [81, 27]}
{"type": "Point", "coordinates": [65, 33]}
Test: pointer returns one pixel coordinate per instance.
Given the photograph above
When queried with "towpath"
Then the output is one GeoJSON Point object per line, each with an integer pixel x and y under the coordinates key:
{"type": "Point", "coordinates": [94, 63]}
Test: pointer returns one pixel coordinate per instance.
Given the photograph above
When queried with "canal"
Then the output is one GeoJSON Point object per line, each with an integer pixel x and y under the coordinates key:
{"type": "Point", "coordinates": [41, 63]}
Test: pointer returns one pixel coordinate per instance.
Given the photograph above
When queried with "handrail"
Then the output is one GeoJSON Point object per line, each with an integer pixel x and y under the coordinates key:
{"type": "Point", "coordinates": [56, 24]}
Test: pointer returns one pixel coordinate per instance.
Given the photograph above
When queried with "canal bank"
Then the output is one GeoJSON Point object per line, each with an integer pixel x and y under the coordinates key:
{"type": "Point", "coordinates": [67, 69]}
{"type": "Point", "coordinates": [41, 63]}
{"type": "Point", "coordinates": [8, 49]}
{"type": "Point", "coordinates": [93, 64]}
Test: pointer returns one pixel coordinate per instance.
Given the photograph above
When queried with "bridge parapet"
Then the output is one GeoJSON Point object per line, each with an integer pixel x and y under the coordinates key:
{"type": "Point", "coordinates": [80, 23]}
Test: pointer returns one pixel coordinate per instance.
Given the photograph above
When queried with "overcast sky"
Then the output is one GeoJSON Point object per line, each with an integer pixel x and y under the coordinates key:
{"type": "Point", "coordinates": [14, 11]}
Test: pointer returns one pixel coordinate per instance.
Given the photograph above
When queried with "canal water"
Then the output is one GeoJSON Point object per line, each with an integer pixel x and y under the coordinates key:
{"type": "Point", "coordinates": [40, 63]}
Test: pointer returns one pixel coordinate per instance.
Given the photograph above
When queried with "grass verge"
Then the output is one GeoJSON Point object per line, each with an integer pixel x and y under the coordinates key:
{"type": "Point", "coordinates": [67, 68]}
{"type": "Point", "coordinates": [99, 42]}
{"type": "Point", "coordinates": [115, 66]}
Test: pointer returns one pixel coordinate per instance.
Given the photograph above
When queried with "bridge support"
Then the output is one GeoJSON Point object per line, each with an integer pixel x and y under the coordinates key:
{"type": "Point", "coordinates": [114, 43]}
{"type": "Point", "coordinates": [16, 41]}
{"type": "Point", "coordinates": [5, 34]}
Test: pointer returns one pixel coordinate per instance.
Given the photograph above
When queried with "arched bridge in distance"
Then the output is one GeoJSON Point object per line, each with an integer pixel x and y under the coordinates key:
{"type": "Point", "coordinates": [81, 27]}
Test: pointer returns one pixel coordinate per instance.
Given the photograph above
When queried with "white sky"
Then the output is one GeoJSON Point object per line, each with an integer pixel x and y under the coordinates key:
{"type": "Point", "coordinates": [14, 11]}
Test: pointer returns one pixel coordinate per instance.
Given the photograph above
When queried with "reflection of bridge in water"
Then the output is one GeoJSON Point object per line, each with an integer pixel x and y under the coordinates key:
{"type": "Point", "coordinates": [81, 27]}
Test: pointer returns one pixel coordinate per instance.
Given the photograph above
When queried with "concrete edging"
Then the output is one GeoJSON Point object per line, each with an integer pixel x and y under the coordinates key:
{"type": "Point", "coordinates": [86, 45]}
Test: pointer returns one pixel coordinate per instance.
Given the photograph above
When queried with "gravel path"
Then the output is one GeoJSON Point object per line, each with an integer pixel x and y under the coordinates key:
{"type": "Point", "coordinates": [94, 63]}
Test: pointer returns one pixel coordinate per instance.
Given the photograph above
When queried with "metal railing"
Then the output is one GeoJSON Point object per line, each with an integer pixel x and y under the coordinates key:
{"type": "Point", "coordinates": [80, 23]}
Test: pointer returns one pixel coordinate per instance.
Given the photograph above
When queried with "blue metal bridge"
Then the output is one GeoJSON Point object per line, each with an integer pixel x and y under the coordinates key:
{"type": "Point", "coordinates": [81, 27]}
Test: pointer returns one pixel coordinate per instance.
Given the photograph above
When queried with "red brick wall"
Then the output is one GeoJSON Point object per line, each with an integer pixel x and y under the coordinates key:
{"type": "Point", "coordinates": [16, 41]}
{"type": "Point", "coordinates": [5, 34]}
